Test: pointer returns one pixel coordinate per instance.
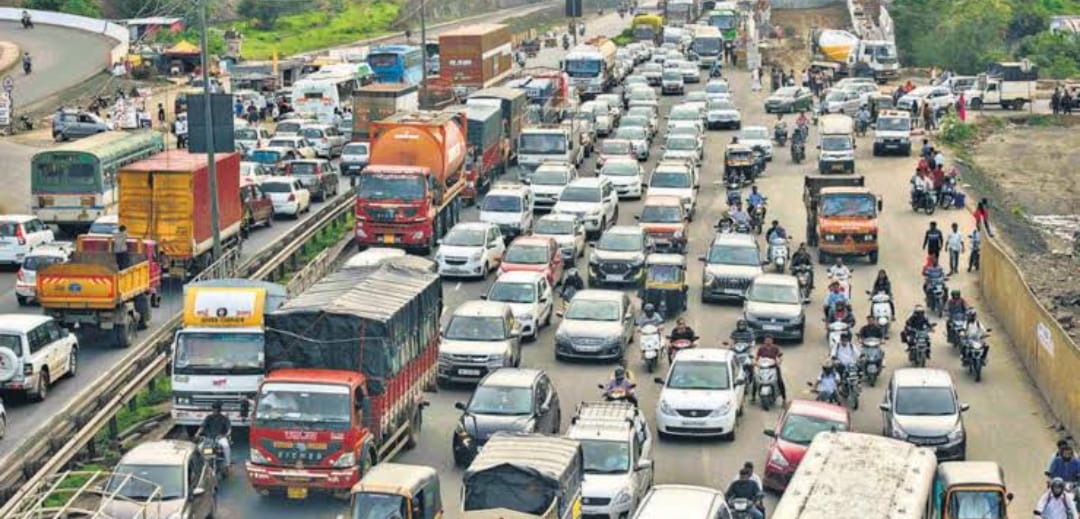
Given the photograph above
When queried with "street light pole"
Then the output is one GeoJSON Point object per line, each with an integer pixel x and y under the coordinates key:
{"type": "Point", "coordinates": [209, 115]}
{"type": "Point", "coordinates": [423, 49]}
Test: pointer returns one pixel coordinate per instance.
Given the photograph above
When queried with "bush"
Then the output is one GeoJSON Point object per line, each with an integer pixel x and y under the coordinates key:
{"type": "Point", "coordinates": [295, 33]}
{"type": "Point", "coordinates": [954, 131]}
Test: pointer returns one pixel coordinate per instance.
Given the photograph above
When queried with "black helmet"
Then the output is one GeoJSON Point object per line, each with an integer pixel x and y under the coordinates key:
{"type": "Point", "coordinates": [846, 336]}
{"type": "Point", "coordinates": [216, 406]}
{"type": "Point", "coordinates": [649, 307]}
{"type": "Point", "coordinates": [620, 372]}
{"type": "Point", "coordinates": [776, 223]}
{"type": "Point", "coordinates": [1057, 484]}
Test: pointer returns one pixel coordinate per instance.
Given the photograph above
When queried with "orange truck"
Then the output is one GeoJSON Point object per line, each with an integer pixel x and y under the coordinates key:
{"type": "Point", "coordinates": [842, 216]}
{"type": "Point", "coordinates": [92, 290]}
{"type": "Point", "coordinates": [409, 195]}
{"type": "Point", "coordinates": [476, 56]}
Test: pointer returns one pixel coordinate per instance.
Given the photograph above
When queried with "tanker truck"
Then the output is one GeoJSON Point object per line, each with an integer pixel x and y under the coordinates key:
{"type": "Point", "coordinates": [591, 66]}
{"type": "Point", "coordinates": [844, 54]}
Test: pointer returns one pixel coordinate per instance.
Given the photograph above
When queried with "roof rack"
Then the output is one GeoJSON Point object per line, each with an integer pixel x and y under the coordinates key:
{"type": "Point", "coordinates": [605, 412]}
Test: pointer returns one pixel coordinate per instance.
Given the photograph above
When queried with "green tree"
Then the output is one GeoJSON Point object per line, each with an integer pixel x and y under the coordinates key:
{"type": "Point", "coordinates": [90, 8]}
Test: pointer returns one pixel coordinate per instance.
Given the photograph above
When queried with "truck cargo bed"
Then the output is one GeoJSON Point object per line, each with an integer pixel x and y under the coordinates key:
{"type": "Point", "coordinates": [92, 281]}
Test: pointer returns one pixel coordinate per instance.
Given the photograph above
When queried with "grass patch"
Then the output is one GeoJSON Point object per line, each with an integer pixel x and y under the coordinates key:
{"type": "Point", "coordinates": [147, 404]}
{"type": "Point", "coordinates": [330, 236]}
{"type": "Point", "coordinates": [64, 489]}
{"type": "Point", "coordinates": [302, 32]}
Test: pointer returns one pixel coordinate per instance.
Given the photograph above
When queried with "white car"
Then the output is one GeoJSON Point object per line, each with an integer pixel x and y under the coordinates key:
{"type": "Point", "coordinates": [297, 143]}
{"type": "Point", "coordinates": [248, 169]}
{"type": "Point", "coordinates": [567, 231]}
{"type": "Point", "coordinates": [251, 138]}
{"type": "Point", "coordinates": [470, 249]}
{"type": "Point", "coordinates": [327, 140]}
{"type": "Point", "coordinates": [757, 136]}
{"type": "Point", "coordinates": [718, 88]}
{"type": "Point", "coordinates": [617, 452]}
{"type": "Point", "coordinates": [687, 112]}
{"type": "Point", "coordinates": [288, 195]}
{"type": "Point", "coordinates": [41, 257]}
{"type": "Point", "coordinates": [529, 296]}
{"type": "Point", "coordinates": [354, 158]}
{"type": "Point", "coordinates": [106, 225]}
{"type": "Point", "coordinates": [290, 127]}
{"type": "Point", "coordinates": [841, 101]}
{"type": "Point", "coordinates": [510, 206]}
{"type": "Point", "coordinates": [675, 179]}
{"type": "Point", "coordinates": [592, 200]}
{"type": "Point", "coordinates": [690, 71]}
{"type": "Point", "coordinates": [722, 113]}
{"type": "Point", "coordinates": [702, 394]}
{"type": "Point", "coordinates": [627, 175]}
{"type": "Point", "coordinates": [638, 137]}
{"type": "Point", "coordinates": [19, 234]}
{"type": "Point", "coordinates": [548, 181]}
{"type": "Point", "coordinates": [35, 352]}
{"type": "Point", "coordinates": [684, 147]}
{"type": "Point", "coordinates": [939, 97]}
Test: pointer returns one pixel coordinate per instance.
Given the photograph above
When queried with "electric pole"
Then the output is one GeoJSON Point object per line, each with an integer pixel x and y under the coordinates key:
{"type": "Point", "coordinates": [423, 49]}
{"type": "Point", "coordinates": [209, 115]}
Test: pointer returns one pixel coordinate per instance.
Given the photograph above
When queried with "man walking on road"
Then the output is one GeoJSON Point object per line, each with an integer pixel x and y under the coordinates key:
{"type": "Point", "coordinates": [161, 115]}
{"type": "Point", "coordinates": [956, 247]}
{"type": "Point", "coordinates": [932, 241]}
{"type": "Point", "coordinates": [976, 246]}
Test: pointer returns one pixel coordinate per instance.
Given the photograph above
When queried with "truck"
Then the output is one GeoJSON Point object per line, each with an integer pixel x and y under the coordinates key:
{"type": "Point", "coordinates": [841, 216]}
{"type": "Point", "coordinates": [93, 289]}
{"type": "Point", "coordinates": [218, 353]}
{"type": "Point", "coordinates": [647, 27]}
{"type": "Point", "coordinates": [708, 44]}
{"type": "Point", "coordinates": [836, 145]}
{"type": "Point", "coordinates": [349, 360]}
{"type": "Point", "coordinates": [378, 101]}
{"type": "Point", "coordinates": [525, 475]}
{"type": "Point", "coordinates": [563, 143]}
{"type": "Point", "coordinates": [892, 478]}
{"type": "Point", "coordinates": [409, 194]}
{"type": "Point", "coordinates": [485, 159]}
{"type": "Point", "coordinates": [167, 198]}
{"type": "Point", "coordinates": [591, 66]}
{"type": "Point", "coordinates": [842, 53]}
{"type": "Point", "coordinates": [1008, 85]}
{"type": "Point", "coordinates": [512, 105]}
{"type": "Point", "coordinates": [678, 13]}
{"type": "Point", "coordinates": [476, 56]}
{"type": "Point", "coordinates": [549, 91]}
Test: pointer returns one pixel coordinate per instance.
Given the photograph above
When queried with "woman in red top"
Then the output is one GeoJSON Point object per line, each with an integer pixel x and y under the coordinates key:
{"type": "Point", "coordinates": [982, 216]}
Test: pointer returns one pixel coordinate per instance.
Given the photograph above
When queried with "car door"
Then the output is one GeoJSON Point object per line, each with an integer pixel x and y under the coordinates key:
{"type": "Point", "coordinates": [41, 356]}
{"type": "Point", "coordinates": [887, 401]}
{"type": "Point", "coordinates": [543, 300]}
{"type": "Point", "coordinates": [851, 102]}
{"type": "Point", "coordinates": [60, 346]}
{"type": "Point", "coordinates": [611, 201]}
{"type": "Point", "coordinates": [554, 406]}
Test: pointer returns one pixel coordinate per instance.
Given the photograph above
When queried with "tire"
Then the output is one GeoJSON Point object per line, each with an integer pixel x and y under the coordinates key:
{"type": "Point", "coordinates": [41, 391]}
{"type": "Point", "coordinates": [72, 364]}
{"type": "Point", "coordinates": [873, 257]}
{"type": "Point", "coordinates": [142, 306]}
{"type": "Point", "coordinates": [124, 333]}
{"type": "Point", "coordinates": [3, 426]}
{"type": "Point", "coordinates": [22, 300]}
{"type": "Point", "coordinates": [978, 371]}
{"type": "Point", "coordinates": [415, 426]}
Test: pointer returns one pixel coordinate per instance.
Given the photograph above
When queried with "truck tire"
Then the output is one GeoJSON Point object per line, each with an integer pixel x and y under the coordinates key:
{"type": "Point", "coordinates": [873, 257]}
{"type": "Point", "coordinates": [976, 104]}
{"type": "Point", "coordinates": [142, 306]}
{"type": "Point", "coordinates": [416, 423]}
{"type": "Point", "coordinates": [124, 332]}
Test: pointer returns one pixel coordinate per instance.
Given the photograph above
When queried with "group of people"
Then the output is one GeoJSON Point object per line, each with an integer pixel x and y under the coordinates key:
{"type": "Point", "coordinates": [1063, 100]}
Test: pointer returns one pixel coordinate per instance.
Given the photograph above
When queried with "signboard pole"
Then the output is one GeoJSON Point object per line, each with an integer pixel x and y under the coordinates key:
{"type": "Point", "coordinates": [7, 105]}
{"type": "Point", "coordinates": [208, 113]}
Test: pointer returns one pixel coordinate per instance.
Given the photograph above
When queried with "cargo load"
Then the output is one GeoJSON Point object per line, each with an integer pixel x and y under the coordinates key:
{"type": "Point", "coordinates": [512, 103]}
{"type": "Point", "coordinates": [476, 56]}
{"type": "Point", "coordinates": [485, 160]}
{"type": "Point", "coordinates": [378, 101]}
{"type": "Point", "coordinates": [526, 473]}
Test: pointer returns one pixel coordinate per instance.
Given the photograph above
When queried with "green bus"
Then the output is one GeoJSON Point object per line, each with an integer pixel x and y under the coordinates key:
{"type": "Point", "coordinates": [727, 18]}
{"type": "Point", "coordinates": [75, 183]}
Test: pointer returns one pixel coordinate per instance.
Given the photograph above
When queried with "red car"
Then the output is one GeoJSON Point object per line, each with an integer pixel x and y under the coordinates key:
{"type": "Point", "coordinates": [534, 254]}
{"type": "Point", "coordinates": [801, 421]}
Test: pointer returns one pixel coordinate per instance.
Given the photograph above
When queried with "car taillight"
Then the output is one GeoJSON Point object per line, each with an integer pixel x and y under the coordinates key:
{"type": "Point", "coordinates": [28, 369]}
{"type": "Point", "coordinates": [292, 197]}
{"type": "Point", "coordinates": [19, 235]}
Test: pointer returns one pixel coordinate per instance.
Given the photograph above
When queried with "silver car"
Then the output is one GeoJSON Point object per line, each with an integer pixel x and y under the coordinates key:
{"type": "Point", "coordinates": [175, 470]}
{"type": "Point", "coordinates": [481, 336]}
{"type": "Point", "coordinates": [773, 307]}
{"type": "Point", "coordinates": [722, 113]}
{"type": "Point", "coordinates": [599, 324]}
{"type": "Point", "coordinates": [921, 407]}
{"type": "Point", "coordinates": [732, 263]}
{"type": "Point", "coordinates": [638, 137]}
{"type": "Point", "coordinates": [683, 147]}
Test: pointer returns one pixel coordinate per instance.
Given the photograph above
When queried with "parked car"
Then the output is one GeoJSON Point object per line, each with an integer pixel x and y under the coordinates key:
{"type": "Point", "coordinates": [470, 249]}
{"type": "Point", "coordinates": [789, 99]}
{"type": "Point", "coordinates": [19, 234]}
{"type": "Point", "coordinates": [288, 195]}
{"type": "Point", "coordinates": [530, 297]}
{"type": "Point", "coordinates": [319, 176]}
{"type": "Point", "coordinates": [72, 124]}
{"type": "Point", "coordinates": [939, 97]}
{"type": "Point", "coordinates": [354, 158]}
{"type": "Point", "coordinates": [599, 324]}
{"type": "Point", "coordinates": [534, 254]}
{"type": "Point", "coordinates": [567, 231]}
{"type": "Point", "coordinates": [40, 257]}
{"type": "Point", "coordinates": [921, 406]}
{"type": "Point", "coordinates": [774, 307]}
{"type": "Point", "coordinates": [702, 394]}
{"type": "Point", "coordinates": [258, 207]}
{"type": "Point", "coordinates": [35, 353]}
{"type": "Point", "coordinates": [796, 428]}
{"type": "Point", "coordinates": [186, 480]}
{"type": "Point", "coordinates": [479, 338]}
{"type": "Point", "coordinates": [325, 138]}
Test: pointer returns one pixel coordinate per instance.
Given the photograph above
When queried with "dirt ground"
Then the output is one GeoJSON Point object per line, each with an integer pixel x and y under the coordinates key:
{"type": "Point", "coordinates": [793, 52]}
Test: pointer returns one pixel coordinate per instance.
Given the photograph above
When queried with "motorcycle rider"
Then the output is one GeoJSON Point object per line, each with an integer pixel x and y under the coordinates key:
{"type": "Point", "coordinates": [742, 333]}
{"type": "Point", "coordinates": [802, 257]}
{"type": "Point", "coordinates": [916, 321]}
{"type": "Point", "coordinates": [1065, 465]}
{"type": "Point", "coordinates": [1055, 503]}
{"type": "Point", "coordinates": [921, 185]}
{"type": "Point", "coordinates": [769, 350]}
{"type": "Point", "coordinates": [572, 283]}
{"type": "Point", "coordinates": [845, 354]}
{"type": "Point", "coordinates": [26, 21]}
{"type": "Point", "coordinates": [26, 62]}
{"type": "Point", "coordinates": [871, 329]}
{"type": "Point", "coordinates": [862, 117]}
{"type": "Point", "coordinates": [835, 298]}
{"type": "Point", "coordinates": [828, 381]}
{"type": "Point", "coordinates": [682, 332]}
{"type": "Point", "coordinates": [216, 426]}
{"type": "Point", "coordinates": [746, 488]}
{"type": "Point", "coordinates": [975, 330]}
{"type": "Point", "coordinates": [619, 382]}
{"type": "Point", "coordinates": [932, 274]}
{"type": "Point", "coordinates": [738, 216]}
{"type": "Point", "coordinates": [755, 199]}
{"type": "Point", "coordinates": [776, 231]}
{"type": "Point", "coordinates": [714, 71]}
{"type": "Point", "coordinates": [649, 315]}
{"type": "Point", "coordinates": [883, 284]}
{"type": "Point", "coordinates": [841, 273]}
{"type": "Point", "coordinates": [566, 41]}
{"type": "Point", "coordinates": [780, 129]}
{"type": "Point", "coordinates": [956, 308]}
{"type": "Point", "coordinates": [845, 314]}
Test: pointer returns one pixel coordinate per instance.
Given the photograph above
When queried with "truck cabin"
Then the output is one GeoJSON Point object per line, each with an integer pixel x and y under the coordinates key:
{"type": "Point", "coordinates": [846, 202]}
{"type": "Point", "coordinates": [970, 489]}
{"type": "Point", "coordinates": [397, 184]}
{"type": "Point", "coordinates": [326, 402]}
{"type": "Point", "coordinates": [397, 490]}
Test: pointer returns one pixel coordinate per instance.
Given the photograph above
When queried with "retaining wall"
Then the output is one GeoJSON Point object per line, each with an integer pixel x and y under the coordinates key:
{"type": "Point", "coordinates": [106, 28]}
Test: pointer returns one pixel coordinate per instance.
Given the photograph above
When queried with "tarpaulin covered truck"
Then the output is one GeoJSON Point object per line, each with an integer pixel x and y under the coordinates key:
{"type": "Point", "coordinates": [513, 104]}
{"type": "Point", "coordinates": [485, 159]}
{"type": "Point", "coordinates": [349, 359]}
{"type": "Point", "coordinates": [527, 475]}
{"type": "Point", "coordinates": [167, 198]}
{"type": "Point", "coordinates": [378, 101]}
{"type": "Point", "coordinates": [409, 194]}
{"type": "Point", "coordinates": [476, 56]}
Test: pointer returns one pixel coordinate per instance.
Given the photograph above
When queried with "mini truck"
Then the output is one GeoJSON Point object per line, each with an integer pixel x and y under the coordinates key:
{"type": "Point", "coordinates": [91, 290]}
{"type": "Point", "coordinates": [524, 475]}
{"type": "Point", "coordinates": [841, 216]}
{"type": "Point", "coordinates": [1008, 85]}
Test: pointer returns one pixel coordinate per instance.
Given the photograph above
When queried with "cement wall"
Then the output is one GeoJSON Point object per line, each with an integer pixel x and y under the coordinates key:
{"type": "Point", "coordinates": [802, 4]}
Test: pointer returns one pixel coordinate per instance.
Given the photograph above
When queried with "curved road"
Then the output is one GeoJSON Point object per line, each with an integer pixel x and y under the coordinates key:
{"type": "Point", "coordinates": [62, 58]}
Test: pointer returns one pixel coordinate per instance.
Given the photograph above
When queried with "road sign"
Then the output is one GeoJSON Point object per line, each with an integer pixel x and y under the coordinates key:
{"type": "Point", "coordinates": [9, 84]}
{"type": "Point", "coordinates": [5, 110]}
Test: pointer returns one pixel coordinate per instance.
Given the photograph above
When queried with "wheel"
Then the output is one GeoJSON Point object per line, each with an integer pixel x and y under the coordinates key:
{"type": "Point", "coordinates": [873, 257]}
{"type": "Point", "coordinates": [73, 364]}
{"type": "Point", "coordinates": [142, 306]}
{"type": "Point", "coordinates": [415, 425]}
{"type": "Point", "coordinates": [124, 332]}
{"type": "Point", "coordinates": [3, 426]}
{"type": "Point", "coordinates": [41, 391]}
{"type": "Point", "coordinates": [23, 301]}
{"type": "Point", "coordinates": [978, 371]}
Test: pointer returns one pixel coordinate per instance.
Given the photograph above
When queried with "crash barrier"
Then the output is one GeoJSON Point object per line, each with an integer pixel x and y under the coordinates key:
{"type": "Point", "coordinates": [1051, 357]}
{"type": "Point", "coordinates": [49, 449]}
{"type": "Point", "coordinates": [105, 28]}
{"type": "Point", "coordinates": [802, 4]}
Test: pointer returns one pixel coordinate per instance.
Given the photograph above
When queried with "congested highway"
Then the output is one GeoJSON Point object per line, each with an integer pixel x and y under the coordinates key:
{"type": "Point", "coordinates": [1007, 422]}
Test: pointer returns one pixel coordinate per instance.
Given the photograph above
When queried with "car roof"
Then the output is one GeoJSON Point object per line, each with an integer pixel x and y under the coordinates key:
{"type": "Point", "coordinates": [621, 160]}
{"type": "Point", "coordinates": [161, 452]}
{"type": "Point", "coordinates": [598, 294]}
{"type": "Point", "coordinates": [478, 226]}
{"type": "Point", "coordinates": [532, 240]}
{"type": "Point", "coordinates": [690, 501]}
{"type": "Point", "coordinates": [924, 377]}
{"type": "Point", "coordinates": [705, 355]}
{"type": "Point", "coordinates": [777, 279]}
{"type": "Point", "coordinates": [19, 218]}
{"type": "Point", "coordinates": [520, 276]}
{"type": "Point", "coordinates": [19, 323]}
{"type": "Point", "coordinates": [817, 409]}
{"type": "Point", "coordinates": [481, 309]}
{"type": "Point", "coordinates": [624, 229]}
{"type": "Point", "coordinates": [511, 377]}
{"type": "Point", "coordinates": [589, 182]}
{"type": "Point", "coordinates": [752, 127]}
{"type": "Point", "coordinates": [735, 239]}
{"type": "Point", "coordinates": [665, 200]}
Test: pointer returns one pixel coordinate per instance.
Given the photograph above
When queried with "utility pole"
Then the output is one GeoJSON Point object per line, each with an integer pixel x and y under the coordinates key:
{"type": "Point", "coordinates": [423, 49]}
{"type": "Point", "coordinates": [209, 115]}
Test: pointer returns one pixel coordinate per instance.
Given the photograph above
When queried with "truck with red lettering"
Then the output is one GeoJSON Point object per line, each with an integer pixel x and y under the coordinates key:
{"type": "Point", "coordinates": [349, 360]}
{"type": "Point", "coordinates": [409, 195]}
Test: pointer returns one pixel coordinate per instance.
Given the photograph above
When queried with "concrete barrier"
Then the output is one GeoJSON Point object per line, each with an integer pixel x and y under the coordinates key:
{"type": "Point", "coordinates": [1051, 357]}
{"type": "Point", "coordinates": [106, 28]}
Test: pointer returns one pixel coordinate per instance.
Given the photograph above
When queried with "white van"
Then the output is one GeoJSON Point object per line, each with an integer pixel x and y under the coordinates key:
{"type": "Point", "coordinates": [510, 206]}
{"type": "Point", "coordinates": [837, 144]}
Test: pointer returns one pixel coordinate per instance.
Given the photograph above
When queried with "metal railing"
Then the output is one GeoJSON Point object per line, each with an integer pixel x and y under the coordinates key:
{"type": "Point", "coordinates": [52, 447]}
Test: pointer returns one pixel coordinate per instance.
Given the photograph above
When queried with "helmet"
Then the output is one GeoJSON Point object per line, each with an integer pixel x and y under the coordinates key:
{"type": "Point", "coordinates": [970, 313]}
{"type": "Point", "coordinates": [216, 406]}
{"type": "Point", "coordinates": [920, 309]}
{"type": "Point", "coordinates": [572, 272]}
{"type": "Point", "coordinates": [741, 325]}
{"type": "Point", "coordinates": [776, 223]}
{"type": "Point", "coordinates": [649, 307]}
{"type": "Point", "coordinates": [1057, 484]}
{"type": "Point", "coordinates": [955, 293]}
{"type": "Point", "coordinates": [827, 366]}
{"type": "Point", "coordinates": [620, 372]}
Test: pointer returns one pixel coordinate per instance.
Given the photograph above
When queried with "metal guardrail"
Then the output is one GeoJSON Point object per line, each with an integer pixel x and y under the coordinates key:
{"type": "Point", "coordinates": [49, 449]}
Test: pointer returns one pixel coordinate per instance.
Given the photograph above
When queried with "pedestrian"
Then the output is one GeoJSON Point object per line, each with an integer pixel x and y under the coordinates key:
{"type": "Point", "coordinates": [961, 108]}
{"type": "Point", "coordinates": [982, 216]}
{"type": "Point", "coordinates": [928, 115]}
{"type": "Point", "coordinates": [955, 246]}
{"type": "Point", "coordinates": [805, 78]}
{"type": "Point", "coordinates": [734, 56]}
{"type": "Point", "coordinates": [755, 79]}
{"type": "Point", "coordinates": [774, 79]}
{"type": "Point", "coordinates": [915, 112]}
{"type": "Point", "coordinates": [161, 115]}
{"type": "Point", "coordinates": [976, 249]}
{"type": "Point", "coordinates": [238, 108]}
{"type": "Point", "coordinates": [1067, 103]}
{"type": "Point", "coordinates": [1055, 101]}
{"type": "Point", "coordinates": [932, 242]}
{"type": "Point", "coordinates": [927, 150]}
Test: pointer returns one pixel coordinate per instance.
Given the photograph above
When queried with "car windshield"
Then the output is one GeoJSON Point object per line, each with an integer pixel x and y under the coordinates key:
{"type": "Point", "coordinates": [720, 104]}
{"type": "Point", "coordinates": [754, 134]}
{"type": "Point", "coordinates": [857, 205]}
{"type": "Point", "coordinates": [622, 168]}
{"type": "Point", "coordinates": [505, 401]}
{"type": "Point", "coordinates": [476, 328]}
{"type": "Point", "coordinates": [708, 376]}
{"type": "Point", "coordinates": [283, 143]}
{"type": "Point", "coordinates": [641, 111]}
{"type": "Point", "coordinates": [670, 179]}
{"type": "Point", "coordinates": [925, 401]}
{"type": "Point", "coordinates": [729, 255]}
{"type": "Point", "coordinates": [302, 168]}
{"type": "Point", "coordinates": [776, 294]}
{"type": "Point", "coordinates": [685, 113]}
{"type": "Point", "coordinates": [835, 143]}
{"type": "Point", "coordinates": [801, 429]}
{"type": "Point", "coordinates": [296, 405]}
{"type": "Point", "coordinates": [633, 121]}
{"type": "Point", "coordinates": [681, 144]}
{"type": "Point", "coordinates": [312, 133]}
{"type": "Point", "coordinates": [605, 456]}
{"type": "Point", "coordinates": [460, 237]}
{"type": "Point", "coordinates": [543, 143]}
{"type": "Point", "coordinates": [550, 177]}
{"type": "Point", "coordinates": [620, 241]}
{"type": "Point", "coordinates": [506, 292]}
{"type": "Point", "coordinates": [630, 133]}
{"type": "Point", "coordinates": [651, 68]}
{"type": "Point", "coordinates": [276, 187]}
{"type": "Point", "coordinates": [13, 343]}
{"type": "Point", "coordinates": [370, 505]}
{"type": "Point", "coordinates": [580, 194]}
{"type": "Point", "coordinates": [672, 75]}
{"type": "Point", "coordinates": [245, 134]}
{"type": "Point", "coordinates": [391, 187]}
{"type": "Point", "coordinates": [613, 147]}
{"type": "Point", "coordinates": [494, 203]}
{"type": "Point", "coordinates": [976, 504]}
{"type": "Point", "coordinates": [893, 124]}
{"type": "Point", "coordinates": [837, 95]}
{"type": "Point", "coordinates": [551, 226]}
{"type": "Point", "coordinates": [661, 214]}
{"type": "Point", "coordinates": [288, 127]}
{"type": "Point", "coordinates": [716, 87]}
{"type": "Point", "coordinates": [643, 95]}
{"type": "Point", "coordinates": [786, 92]}
{"type": "Point", "coordinates": [355, 149]}
{"type": "Point", "coordinates": [147, 481]}
{"type": "Point", "coordinates": [34, 263]}
{"type": "Point", "coordinates": [592, 310]}
{"type": "Point", "coordinates": [527, 254]}
{"type": "Point", "coordinates": [683, 129]}
{"type": "Point", "coordinates": [218, 353]}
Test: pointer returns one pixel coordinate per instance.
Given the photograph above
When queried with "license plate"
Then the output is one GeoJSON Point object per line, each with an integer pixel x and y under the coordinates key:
{"type": "Point", "coordinates": [615, 277]}
{"type": "Point", "coordinates": [469, 372]}
{"type": "Point", "coordinates": [296, 493]}
{"type": "Point", "coordinates": [388, 239]}
{"type": "Point", "coordinates": [690, 423]}
{"type": "Point", "coordinates": [772, 327]}
{"type": "Point", "coordinates": [838, 167]}
{"type": "Point", "coordinates": [733, 291]}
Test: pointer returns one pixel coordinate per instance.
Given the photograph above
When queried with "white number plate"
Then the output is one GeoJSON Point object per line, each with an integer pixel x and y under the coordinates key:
{"type": "Point", "coordinates": [772, 327]}
{"type": "Point", "coordinates": [690, 423]}
{"type": "Point", "coordinates": [733, 291]}
{"type": "Point", "coordinates": [469, 372]}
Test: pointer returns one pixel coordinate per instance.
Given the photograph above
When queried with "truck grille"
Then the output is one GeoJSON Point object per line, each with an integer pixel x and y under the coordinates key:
{"type": "Point", "coordinates": [300, 453]}
{"type": "Point", "coordinates": [381, 214]}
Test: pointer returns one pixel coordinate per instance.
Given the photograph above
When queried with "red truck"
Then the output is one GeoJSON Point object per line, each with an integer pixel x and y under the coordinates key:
{"type": "Point", "coordinates": [409, 195]}
{"type": "Point", "coordinates": [349, 360]}
{"type": "Point", "coordinates": [485, 160]}
{"type": "Point", "coordinates": [476, 56]}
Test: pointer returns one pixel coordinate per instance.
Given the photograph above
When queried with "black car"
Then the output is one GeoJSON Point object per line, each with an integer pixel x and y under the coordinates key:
{"type": "Point", "coordinates": [507, 399]}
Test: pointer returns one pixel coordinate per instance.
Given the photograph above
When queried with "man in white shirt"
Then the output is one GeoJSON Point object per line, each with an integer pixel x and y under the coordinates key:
{"type": "Point", "coordinates": [976, 505]}
{"type": "Point", "coordinates": [1055, 503]}
{"type": "Point", "coordinates": [939, 159]}
{"type": "Point", "coordinates": [955, 246]}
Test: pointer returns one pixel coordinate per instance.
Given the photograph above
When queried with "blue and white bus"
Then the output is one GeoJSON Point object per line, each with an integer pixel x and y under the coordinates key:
{"type": "Point", "coordinates": [396, 64]}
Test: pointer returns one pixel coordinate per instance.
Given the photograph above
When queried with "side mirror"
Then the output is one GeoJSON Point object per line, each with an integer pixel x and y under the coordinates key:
{"type": "Point", "coordinates": [1009, 498]}
{"type": "Point", "coordinates": [648, 464]}
{"type": "Point", "coordinates": [770, 433]}
{"type": "Point", "coordinates": [880, 204]}
{"type": "Point", "coordinates": [637, 217]}
{"type": "Point", "coordinates": [884, 407]}
{"type": "Point", "coordinates": [964, 407]}
{"type": "Point", "coordinates": [659, 380]}
{"type": "Point", "coordinates": [559, 315]}
{"type": "Point", "coordinates": [740, 380]}
{"type": "Point", "coordinates": [459, 406]}
{"type": "Point", "coordinates": [819, 146]}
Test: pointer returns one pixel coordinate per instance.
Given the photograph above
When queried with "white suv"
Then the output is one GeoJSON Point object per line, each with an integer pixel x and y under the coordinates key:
{"type": "Point", "coordinates": [617, 448]}
{"type": "Point", "coordinates": [702, 394]}
{"type": "Point", "coordinates": [592, 200]}
{"type": "Point", "coordinates": [470, 249]}
{"type": "Point", "coordinates": [510, 206]}
{"type": "Point", "coordinates": [529, 296]}
{"type": "Point", "coordinates": [19, 234]}
{"type": "Point", "coordinates": [35, 352]}
{"type": "Point", "coordinates": [548, 181]}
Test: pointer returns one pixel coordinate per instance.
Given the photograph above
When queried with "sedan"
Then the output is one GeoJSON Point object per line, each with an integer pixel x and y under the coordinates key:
{"type": "Point", "coordinates": [639, 140]}
{"type": "Point", "coordinates": [702, 394]}
{"type": "Point", "coordinates": [797, 427]}
{"type": "Point", "coordinates": [470, 249]}
{"type": "Point", "coordinates": [300, 145]}
{"type": "Point", "coordinates": [722, 113]}
{"type": "Point", "coordinates": [686, 112]}
{"type": "Point", "coordinates": [599, 324]}
{"type": "Point", "coordinates": [790, 100]}
{"type": "Point", "coordinates": [652, 72]}
{"type": "Point", "coordinates": [627, 175]}
{"type": "Point", "coordinates": [640, 96]}
{"type": "Point", "coordinates": [672, 82]}
{"type": "Point", "coordinates": [288, 195]}
{"type": "Point", "coordinates": [682, 147]}
{"type": "Point", "coordinates": [753, 136]}
{"type": "Point", "coordinates": [718, 88]}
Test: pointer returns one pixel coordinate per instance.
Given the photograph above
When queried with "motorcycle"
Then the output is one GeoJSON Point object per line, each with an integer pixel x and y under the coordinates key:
{"type": "Point", "coordinates": [743, 360]}
{"type": "Point", "coordinates": [27, 23]}
{"type": "Point", "coordinates": [214, 456]}
{"type": "Point", "coordinates": [798, 151]}
{"type": "Point", "coordinates": [766, 381]}
{"type": "Point", "coordinates": [802, 273]}
{"type": "Point", "coordinates": [734, 179]}
{"type": "Point", "coordinates": [922, 199]}
{"type": "Point", "coordinates": [850, 388]}
{"type": "Point", "coordinates": [651, 345]}
{"type": "Point", "coordinates": [954, 328]}
{"type": "Point", "coordinates": [26, 66]}
{"type": "Point", "coordinates": [920, 349]}
{"type": "Point", "coordinates": [780, 134]}
{"type": "Point", "coordinates": [836, 329]}
{"type": "Point", "coordinates": [677, 345]}
{"type": "Point", "coordinates": [935, 297]}
{"type": "Point", "coordinates": [740, 508]}
{"type": "Point", "coordinates": [778, 253]}
{"type": "Point", "coordinates": [873, 359]}
{"type": "Point", "coordinates": [948, 193]}
{"type": "Point", "coordinates": [757, 217]}
{"type": "Point", "coordinates": [829, 397]}
{"type": "Point", "coordinates": [742, 227]}
{"type": "Point", "coordinates": [619, 394]}
{"type": "Point", "coordinates": [725, 226]}
{"type": "Point", "coordinates": [974, 352]}
{"type": "Point", "coordinates": [880, 309]}
{"type": "Point", "coordinates": [714, 72]}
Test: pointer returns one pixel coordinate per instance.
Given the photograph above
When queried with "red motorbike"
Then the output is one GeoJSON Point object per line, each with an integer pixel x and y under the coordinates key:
{"type": "Point", "coordinates": [677, 345]}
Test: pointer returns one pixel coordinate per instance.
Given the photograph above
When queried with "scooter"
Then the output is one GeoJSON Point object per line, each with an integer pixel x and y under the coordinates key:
{"type": "Point", "coordinates": [741, 508]}
{"type": "Point", "coordinates": [935, 297]}
{"type": "Point", "coordinates": [802, 273]}
{"type": "Point", "coordinates": [948, 193]}
{"type": "Point", "coordinates": [798, 151]}
{"type": "Point", "coordinates": [836, 329]}
{"type": "Point", "coordinates": [778, 253]}
{"type": "Point", "coordinates": [743, 360]}
{"type": "Point", "coordinates": [873, 359]}
{"type": "Point", "coordinates": [766, 381]}
{"type": "Point", "coordinates": [651, 345]}
{"type": "Point", "coordinates": [780, 135]}
{"type": "Point", "coordinates": [974, 353]}
{"type": "Point", "coordinates": [677, 345]}
{"type": "Point", "coordinates": [880, 309]}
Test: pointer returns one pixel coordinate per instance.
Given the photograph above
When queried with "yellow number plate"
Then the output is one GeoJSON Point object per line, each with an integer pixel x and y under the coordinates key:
{"type": "Point", "coordinates": [296, 493]}
{"type": "Point", "coordinates": [388, 239]}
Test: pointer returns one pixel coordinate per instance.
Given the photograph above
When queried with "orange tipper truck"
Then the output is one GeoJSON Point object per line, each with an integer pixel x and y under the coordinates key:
{"type": "Point", "coordinates": [841, 217]}
{"type": "Point", "coordinates": [409, 195]}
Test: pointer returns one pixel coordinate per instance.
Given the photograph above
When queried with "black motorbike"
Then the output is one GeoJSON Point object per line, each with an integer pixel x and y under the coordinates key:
{"type": "Point", "coordinates": [757, 218]}
{"type": "Point", "coordinates": [935, 296]}
{"type": "Point", "coordinates": [26, 66]}
{"type": "Point", "coordinates": [780, 135]}
{"type": "Point", "coordinates": [214, 456]}
{"type": "Point", "coordinates": [27, 23]}
{"type": "Point", "coordinates": [850, 387]}
{"type": "Point", "coordinates": [802, 273]}
{"type": "Point", "coordinates": [923, 200]}
{"type": "Point", "coordinates": [954, 327]}
{"type": "Point", "coordinates": [734, 179]}
{"type": "Point", "coordinates": [919, 348]}
{"type": "Point", "coordinates": [973, 354]}
{"type": "Point", "coordinates": [798, 151]}
{"type": "Point", "coordinates": [947, 198]}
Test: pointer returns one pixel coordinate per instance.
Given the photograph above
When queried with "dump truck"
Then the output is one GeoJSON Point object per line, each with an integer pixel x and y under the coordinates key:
{"type": "Point", "coordinates": [528, 475]}
{"type": "Point", "coordinates": [349, 359]}
{"type": "Point", "coordinates": [591, 66]}
{"type": "Point", "coordinates": [409, 194]}
{"type": "Point", "coordinates": [94, 289]}
{"type": "Point", "coordinates": [485, 160]}
{"type": "Point", "coordinates": [647, 27]}
{"type": "Point", "coordinates": [167, 198]}
{"type": "Point", "coordinates": [842, 216]}
{"type": "Point", "coordinates": [512, 105]}
{"type": "Point", "coordinates": [476, 56]}
{"type": "Point", "coordinates": [844, 54]}
{"type": "Point", "coordinates": [378, 101]}
{"type": "Point", "coordinates": [218, 354]}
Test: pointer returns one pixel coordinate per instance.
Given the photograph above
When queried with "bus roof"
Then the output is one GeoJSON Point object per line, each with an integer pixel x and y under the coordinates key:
{"type": "Point", "coordinates": [108, 146]}
{"type": "Point", "coordinates": [393, 49]}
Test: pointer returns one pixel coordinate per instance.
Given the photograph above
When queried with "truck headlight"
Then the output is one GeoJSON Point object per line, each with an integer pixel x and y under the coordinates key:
{"type": "Point", "coordinates": [257, 457]}
{"type": "Point", "coordinates": [183, 400]}
{"type": "Point", "coordinates": [345, 461]}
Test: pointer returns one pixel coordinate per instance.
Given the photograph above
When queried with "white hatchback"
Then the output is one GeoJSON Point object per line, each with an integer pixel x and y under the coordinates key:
{"type": "Point", "coordinates": [702, 394]}
{"type": "Point", "coordinates": [37, 259]}
{"type": "Point", "coordinates": [470, 249]}
{"type": "Point", "coordinates": [529, 296]}
{"type": "Point", "coordinates": [288, 195]}
{"type": "Point", "coordinates": [19, 234]}
{"type": "Point", "coordinates": [35, 352]}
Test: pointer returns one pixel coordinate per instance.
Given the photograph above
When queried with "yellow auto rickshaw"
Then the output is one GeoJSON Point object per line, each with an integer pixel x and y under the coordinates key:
{"type": "Point", "coordinates": [665, 283]}
{"type": "Point", "coordinates": [970, 489]}
{"type": "Point", "coordinates": [409, 491]}
{"type": "Point", "coordinates": [738, 166]}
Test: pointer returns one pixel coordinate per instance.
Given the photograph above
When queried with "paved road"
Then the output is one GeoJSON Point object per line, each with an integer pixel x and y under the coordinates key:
{"type": "Point", "coordinates": [1008, 422]}
{"type": "Point", "coordinates": [62, 58]}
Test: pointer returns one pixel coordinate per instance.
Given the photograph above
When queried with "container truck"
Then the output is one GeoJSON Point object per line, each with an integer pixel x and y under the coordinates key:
{"type": "Point", "coordinates": [349, 359]}
{"type": "Point", "coordinates": [409, 194]}
{"type": "Point", "coordinates": [167, 198]}
{"type": "Point", "coordinates": [591, 66]}
{"type": "Point", "coordinates": [476, 56]}
{"type": "Point", "coordinates": [512, 105]}
{"type": "Point", "coordinates": [218, 354]}
{"type": "Point", "coordinates": [378, 101]}
{"type": "Point", "coordinates": [845, 54]}
{"type": "Point", "coordinates": [485, 158]}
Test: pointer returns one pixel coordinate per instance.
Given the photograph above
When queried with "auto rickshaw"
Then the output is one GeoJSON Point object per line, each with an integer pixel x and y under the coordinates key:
{"type": "Point", "coordinates": [738, 166]}
{"type": "Point", "coordinates": [878, 103]}
{"type": "Point", "coordinates": [665, 283]}
{"type": "Point", "coordinates": [531, 47]}
{"type": "Point", "coordinates": [408, 491]}
{"type": "Point", "coordinates": [970, 489]}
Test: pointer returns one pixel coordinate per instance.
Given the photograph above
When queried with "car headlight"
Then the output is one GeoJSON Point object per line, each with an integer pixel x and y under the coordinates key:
{"type": "Point", "coordinates": [957, 434]}
{"type": "Point", "coordinates": [596, 212]}
{"type": "Point", "coordinates": [778, 459]}
{"type": "Point", "coordinates": [257, 457]}
{"type": "Point", "coordinates": [476, 255]}
{"type": "Point", "coordinates": [347, 460]}
{"type": "Point", "coordinates": [638, 261]}
{"type": "Point", "coordinates": [525, 318]}
{"type": "Point", "coordinates": [496, 361]}
{"type": "Point", "coordinates": [898, 433]}
{"type": "Point", "coordinates": [665, 408]}
{"type": "Point", "coordinates": [624, 496]}
{"type": "Point", "coordinates": [722, 410]}
{"type": "Point", "coordinates": [561, 335]}
{"type": "Point", "coordinates": [869, 237]}
{"type": "Point", "coordinates": [709, 278]}
{"type": "Point", "coordinates": [879, 140]}
{"type": "Point", "coordinates": [679, 234]}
